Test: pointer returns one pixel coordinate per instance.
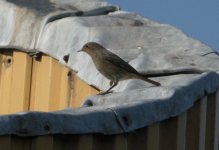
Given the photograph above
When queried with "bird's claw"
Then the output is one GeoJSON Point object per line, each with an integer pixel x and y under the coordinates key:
{"type": "Point", "coordinates": [104, 93]}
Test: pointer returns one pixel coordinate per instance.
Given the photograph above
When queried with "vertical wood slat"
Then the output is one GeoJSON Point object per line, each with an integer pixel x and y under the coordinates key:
{"type": "Point", "coordinates": [202, 126]}
{"type": "Point", "coordinates": [20, 143]}
{"type": "Point", "coordinates": [65, 142]}
{"type": "Point", "coordinates": [81, 90]}
{"type": "Point", "coordinates": [42, 142]}
{"type": "Point", "coordinates": [120, 142]}
{"type": "Point", "coordinates": [5, 142]}
{"type": "Point", "coordinates": [49, 89]}
{"type": "Point", "coordinates": [210, 143]}
{"type": "Point", "coordinates": [216, 134]}
{"type": "Point", "coordinates": [5, 87]}
{"type": "Point", "coordinates": [105, 142]}
{"type": "Point", "coordinates": [15, 76]}
{"type": "Point", "coordinates": [153, 137]}
{"type": "Point", "coordinates": [137, 139]}
{"type": "Point", "coordinates": [21, 78]}
{"type": "Point", "coordinates": [168, 134]}
{"type": "Point", "coordinates": [181, 131]}
{"type": "Point", "coordinates": [192, 133]}
{"type": "Point", "coordinates": [85, 142]}
{"type": "Point", "coordinates": [195, 124]}
{"type": "Point", "coordinates": [37, 85]}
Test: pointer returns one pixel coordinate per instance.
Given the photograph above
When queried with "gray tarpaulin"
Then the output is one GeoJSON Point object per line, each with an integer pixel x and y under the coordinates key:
{"type": "Point", "coordinates": [61, 27]}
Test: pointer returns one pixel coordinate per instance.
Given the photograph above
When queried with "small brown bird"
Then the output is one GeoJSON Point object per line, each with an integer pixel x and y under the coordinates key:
{"type": "Point", "coordinates": [112, 66]}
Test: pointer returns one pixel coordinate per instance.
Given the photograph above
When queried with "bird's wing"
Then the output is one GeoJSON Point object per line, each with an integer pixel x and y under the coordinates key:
{"type": "Point", "coordinates": [117, 61]}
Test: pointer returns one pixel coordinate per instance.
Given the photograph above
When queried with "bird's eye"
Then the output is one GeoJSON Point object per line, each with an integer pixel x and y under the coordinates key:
{"type": "Point", "coordinates": [86, 46]}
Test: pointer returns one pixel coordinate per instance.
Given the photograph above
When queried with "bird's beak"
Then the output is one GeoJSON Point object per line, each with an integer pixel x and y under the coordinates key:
{"type": "Point", "coordinates": [79, 50]}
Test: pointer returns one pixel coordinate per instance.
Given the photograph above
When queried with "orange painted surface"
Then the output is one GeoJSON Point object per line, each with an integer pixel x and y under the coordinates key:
{"type": "Point", "coordinates": [15, 76]}
{"type": "Point", "coordinates": [81, 91]}
{"type": "Point", "coordinates": [49, 87]}
{"type": "Point", "coordinates": [44, 84]}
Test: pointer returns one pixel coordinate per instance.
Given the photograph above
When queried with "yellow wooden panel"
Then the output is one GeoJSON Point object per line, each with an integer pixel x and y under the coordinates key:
{"type": "Point", "coordinates": [15, 81]}
{"type": "Point", "coordinates": [49, 88]}
{"type": "Point", "coordinates": [81, 90]}
{"type": "Point", "coordinates": [43, 85]}
{"type": "Point", "coordinates": [64, 88]}
{"type": "Point", "coordinates": [5, 87]}
{"type": "Point", "coordinates": [59, 86]}
{"type": "Point", "coordinates": [40, 85]}
{"type": "Point", "coordinates": [21, 82]}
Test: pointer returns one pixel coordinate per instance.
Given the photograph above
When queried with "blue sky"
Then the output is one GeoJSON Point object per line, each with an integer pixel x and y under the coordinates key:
{"type": "Point", "coordinates": [197, 18]}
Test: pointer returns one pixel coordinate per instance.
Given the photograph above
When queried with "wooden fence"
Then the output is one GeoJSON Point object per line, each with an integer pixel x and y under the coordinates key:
{"type": "Point", "coordinates": [44, 84]}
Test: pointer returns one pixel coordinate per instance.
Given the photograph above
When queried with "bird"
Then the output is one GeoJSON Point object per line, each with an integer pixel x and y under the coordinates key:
{"type": "Point", "coordinates": [112, 66]}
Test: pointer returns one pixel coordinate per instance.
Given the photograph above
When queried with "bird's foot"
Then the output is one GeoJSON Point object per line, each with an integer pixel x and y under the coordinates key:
{"type": "Point", "coordinates": [104, 93]}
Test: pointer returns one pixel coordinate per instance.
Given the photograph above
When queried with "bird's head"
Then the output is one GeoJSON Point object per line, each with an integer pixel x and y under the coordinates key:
{"type": "Point", "coordinates": [91, 47]}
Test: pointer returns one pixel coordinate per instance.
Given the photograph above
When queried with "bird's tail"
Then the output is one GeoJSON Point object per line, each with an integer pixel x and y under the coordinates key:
{"type": "Point", "coordinates": [142, 77]}
{"type": "Point", "coordinates": [151, 81]}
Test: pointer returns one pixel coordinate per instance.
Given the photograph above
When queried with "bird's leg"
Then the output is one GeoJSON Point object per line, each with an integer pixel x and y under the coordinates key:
{"type": "Point", "coordinates": [112, 85]}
